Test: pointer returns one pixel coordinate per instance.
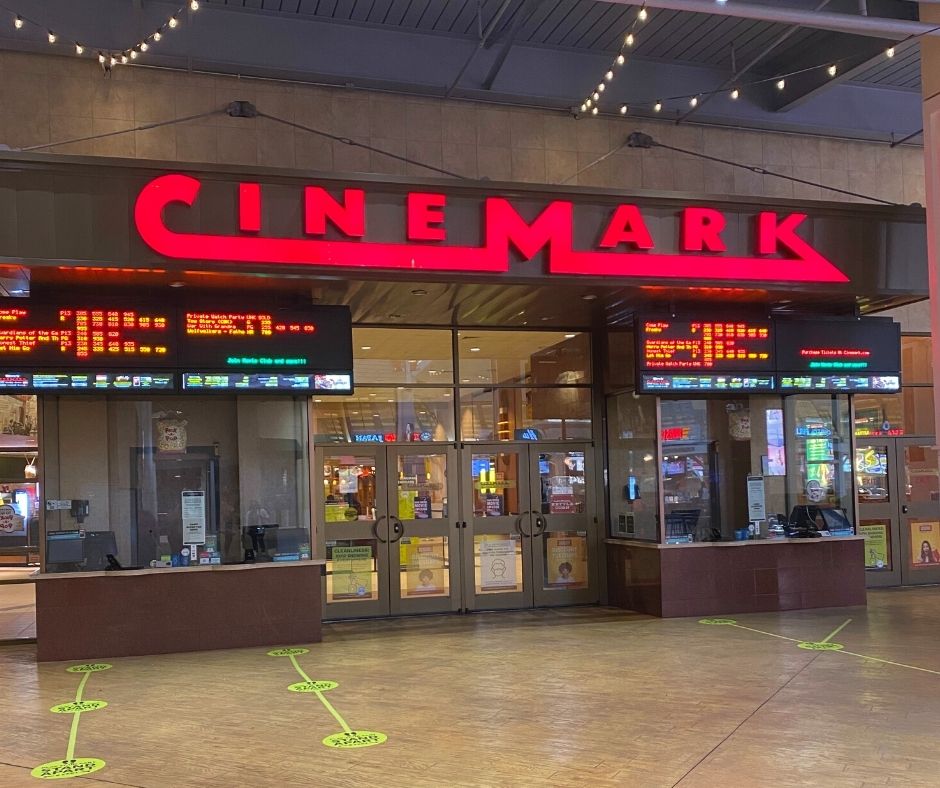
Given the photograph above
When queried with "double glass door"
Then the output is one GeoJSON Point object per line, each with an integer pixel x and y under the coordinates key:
{"type": "Point", "coordinates": [899, 510]}
{"type": "Point", "coordinates": [387, 528]}
{"type": "Point", "coordinates": [529, 526]}
{"type": "Point", "coordinates": [425, 528]}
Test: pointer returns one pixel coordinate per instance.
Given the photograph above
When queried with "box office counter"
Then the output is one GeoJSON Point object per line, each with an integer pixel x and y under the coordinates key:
{"type": "Point", "coordinates": [97, 615]}
{"type": "Point", "coordinates": [721, 578]}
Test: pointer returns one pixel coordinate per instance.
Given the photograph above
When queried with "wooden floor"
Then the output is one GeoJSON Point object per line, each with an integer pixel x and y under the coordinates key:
{"type": "Point", "coordinates": [576, 697]}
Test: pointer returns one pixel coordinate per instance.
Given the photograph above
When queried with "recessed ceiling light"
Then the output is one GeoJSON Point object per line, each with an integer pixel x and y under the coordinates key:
{"type": "Point", "coordinates": [177, 284]}
{"type": "Point", "coordinates": [366, 347]}
{"type": "Point", "coordinates": [465, 380]}
{"type": "Point", "coordinates": [589, 297]}
{"type": "Point", "coordinates": [375, 415]}
{"type": "Point", "coordinates": [474, 350]}
{"type": "Point", "coordinates": [547, 318]}
{"type": "Point", "coordinates": [372, 394]}
{"type": "Point", "coordinates": [354, 412]}
{"type": "Point", "coordinates": [419, 291]}
{"type": "Point", "coordinates": [318, 400]}
{"type": "Point", "coordinates": [570, 336]}
{"type": "Point", "coordinates": [389, 400]}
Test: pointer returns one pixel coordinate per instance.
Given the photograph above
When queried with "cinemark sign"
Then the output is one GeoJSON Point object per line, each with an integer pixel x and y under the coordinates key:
{"type": "Point", "coordinates": [626, 247]}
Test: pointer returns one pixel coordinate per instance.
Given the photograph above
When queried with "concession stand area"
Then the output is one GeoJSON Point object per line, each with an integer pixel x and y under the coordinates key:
{"type": "Point", "coordinates": [264, 398]}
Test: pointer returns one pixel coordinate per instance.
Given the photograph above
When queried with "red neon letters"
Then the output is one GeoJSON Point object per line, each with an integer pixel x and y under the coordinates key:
{"type": "Point", "coordinates": [782, 255]}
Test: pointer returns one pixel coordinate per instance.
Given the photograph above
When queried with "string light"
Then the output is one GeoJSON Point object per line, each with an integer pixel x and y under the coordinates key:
{"type": "Point", "coordinates": [601, 87]}
{"type": "Point", "coordinates": [621, 59]}
{"type": "Point", "coordinates": [693, 102]}
{"type": "Point", "coordinates": [594, 111]}
{"type": "Point", "coordinates": [735, 93]}
{"type": "Point", "coordinates": [629, 40]}
{"type": "Point", "coordinates": [584, 107]}
{"type": "Point", "coordinates": [106, 58]}
{"type": "Point", "coordinates": [609, 76]}
{"type": "Point", "coordinates": [658, 106]}
{"type": "Point", "coordinates": [889, 52]}
{"type": "Point", "coordinates": [781, 84]}
{"type": "Point", "coordinates": [642, 15]}
{"type": "Point", "coordinates": [832, 70]}
{"type": "Point", "coordinates": [595, 95]}
{"type": "Point", "coordinates": [623, 110]}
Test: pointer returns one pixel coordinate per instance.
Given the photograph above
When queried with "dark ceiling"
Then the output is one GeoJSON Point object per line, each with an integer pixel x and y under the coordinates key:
{"type": "Point", "coordinates": [546, 53]}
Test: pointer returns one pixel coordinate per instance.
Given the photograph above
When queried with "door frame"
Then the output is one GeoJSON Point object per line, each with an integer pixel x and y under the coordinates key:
{"type": "Point", "coordinates": [910, 512]}
{"type": "Point", "coordinates": [883, 512]}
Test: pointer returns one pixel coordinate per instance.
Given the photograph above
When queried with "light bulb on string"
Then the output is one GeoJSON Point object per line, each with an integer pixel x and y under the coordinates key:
{"type": "Point", "coordinates": [133, 54]}
{"type": "Point", "coordinates": [642, 16]}
{"type": "Point", "coordinates": [735, 93]}
{"type": "Point", "coordinates": [588, 103]}
{"type": "Point", "coordinates": [623, 110]}
{"type": "Point", "coordinates": [594, 111]}
{"type": "Point", "coordinates": [595, 95]}
{"type": "Point", "coordinates": [889, 52]}
{"type": "Point", "coordinates": [52, 37]}
{"type": "Point", "coordinates": [584, 107]}
{"type": "Point", "coordinates": [79, 49]}
{"type": "Point", "coordinates": [621, 59]}
{"type": "Point", "coordinates": [629, 40]}
{"type": "Point", "coordinates": [144, 46]}
{"type": "Point", "coordinates": [693, 102]}
{"type": "Point", "coordinates": [658, 106]}
{"type": "Point", "coordinates": [193, 5]}
{"type": "Point", "coordinates": [173, 21]}
{"type": "Point", "coordinates": [18, 22]}
{"type": "Point", "coordinates": [113, 60]}
{"type": "Point", "coordinates": [601, 87]}
{"type": "Point", "coordinates": [124, 58]}
{"type": "Point", "coordinates": [101, 58]}
{"type": "Point", "coordinates": [157, 36]}
{"type": "Point", "coordinates": [781, 84]}
{"type": "Point", "coordinates": [609, 76]}
{"type": "Point", "coordinates": [832, 70]}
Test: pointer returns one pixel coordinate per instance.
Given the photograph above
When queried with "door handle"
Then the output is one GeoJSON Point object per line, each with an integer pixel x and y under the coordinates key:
{"type": "Point", "coordinates": [398, 528]}
{"type": "Point", "coordinates": [904, 510]}
{"type": "Point", "coordinates": [519, 527]}
{"type": "Point", "coordinates": [375, 529]}
{"type": "Point", "coordinates": [540, 522]}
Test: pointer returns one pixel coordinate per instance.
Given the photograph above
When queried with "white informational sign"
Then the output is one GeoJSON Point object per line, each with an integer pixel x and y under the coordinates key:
{"type": "Point", "coordinates": [194, 517]}
{"type": "Point", "coordinates": [498, 564]}
{"type": "Point", "coordinates": [10, 521]}
{"type": "Point", "coordinates": [756, 505]}
{"type": "Point", "coordinates": [56, 506]}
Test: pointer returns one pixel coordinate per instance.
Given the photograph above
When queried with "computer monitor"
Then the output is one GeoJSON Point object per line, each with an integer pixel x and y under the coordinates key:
{"type": "Point", "coordinates": [832, 519]}
{"type": "Point", "coordinates": [65, 547]}
{"type": "Point", "coordinates": [98, 545]}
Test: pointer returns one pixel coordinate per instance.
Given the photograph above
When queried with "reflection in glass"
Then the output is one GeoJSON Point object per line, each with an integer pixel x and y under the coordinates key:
{"type": "Point", "coordinates": [546, 414]}
{"type": "Point", "coordinates": [422, 486]}
{"type": "Point", "coordinates": [916, 360]}
{"type": "Point", "coordinates": [561, 478]}
{"type": "Point", "coordinates": [634, 479]}
{"type": "Point", "coordinates": [349, 488]}
{"type": "Point", "coordinates": [497, 563]}
{"type": "Point", "coordinates": [871, 474]}
{"type": "Point", "coordinates": [424, 566]}
{"type": "Point", "coordinates": [495, 484]}
{"type": "Point", "coordinates": [922, 474]}
{"type": "Point", "coordinates": [351, 570]}
{"type": "Point", "coordinates": [403, 355]}
{"type": "Point", "coordinates": [385, 415]}
{"type": "Point", "coordinates": [566, 564]}
{"type": "Point", "coordinates": [532, 357]}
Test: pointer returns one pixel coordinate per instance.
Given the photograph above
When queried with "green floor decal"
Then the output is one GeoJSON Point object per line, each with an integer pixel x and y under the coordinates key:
{"type": "Point", "coordinates": [345, 739]}
{"type": "Point", "coordinates": [70, 766]}
{"type": "Point", "coordinates": [818, 645]}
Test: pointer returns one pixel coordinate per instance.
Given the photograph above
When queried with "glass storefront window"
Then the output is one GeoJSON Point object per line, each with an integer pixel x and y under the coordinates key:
{"type": "Point", "coordinates": [496, 490]}
{"type": "Point", "coordinates": [819, 462]}
{"type": "Point", "coordinates": [910, 412]}
{"type": "Point", "coordinates": [922, 474]}
{"type": "Point", "coordinates": [348, 488]}
{"type": "Point", "coordinates": [403, 355]}
{"type": "Point", "coordinates": [549, 413]}
{"type": "Point", "coordinates": [871, 473]}
{"type": "Point", "coordinates": [422, 487]}
{"type": "Point", "coordinates": [562, 481]}
{"type": "Point", "coordinates": [541, 358]}
{"type": "Point", "coordinates": [19, 491]}
{"type": "Point", "coordinates": [385, 415]}
{"type": "Point", "coordinates": [633, 476]}
{"type": "Point", "coordinates": [170, 481]}
{"type": "Point", "coordinates": [424, 568]}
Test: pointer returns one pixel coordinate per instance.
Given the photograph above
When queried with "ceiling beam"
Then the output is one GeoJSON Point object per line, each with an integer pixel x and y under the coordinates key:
{"type": "Point", "coordinates": [874, 26]}
{"type": "Point", "coordinates": [524, 13]}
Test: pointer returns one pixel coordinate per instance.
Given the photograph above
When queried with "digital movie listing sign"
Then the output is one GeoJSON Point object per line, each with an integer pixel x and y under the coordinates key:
{"type": "Point", "coordinates": [717, 356]}
{"type": "Point", "coordinates": [55, 347]}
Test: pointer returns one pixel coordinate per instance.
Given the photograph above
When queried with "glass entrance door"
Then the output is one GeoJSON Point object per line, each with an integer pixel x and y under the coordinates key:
{"type": "Point", "coordinates": [387, 529]}
{"type": "Point", "coordinates": [899, 510]}
{"type": "Point", "coordinates": [530, 531]}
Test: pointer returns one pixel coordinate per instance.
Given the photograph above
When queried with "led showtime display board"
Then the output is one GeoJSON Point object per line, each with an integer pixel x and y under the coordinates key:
{"type": "Point", "coordinates": [72, 347]}
{"type": "Point", "coordinates": [712, 356]}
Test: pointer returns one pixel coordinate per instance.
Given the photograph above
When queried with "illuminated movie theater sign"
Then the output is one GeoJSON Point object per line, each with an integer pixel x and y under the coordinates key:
{"type": "Point", "coordinates": [347, 228]}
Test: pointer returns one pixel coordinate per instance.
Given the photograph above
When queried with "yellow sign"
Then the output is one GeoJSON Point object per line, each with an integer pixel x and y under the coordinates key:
{"type": "Point", "coordinates": [877, 547]}
{"type": "Point", "coordinates": [566, 560]}
{"type": "Point", "coordinates": [925, 544]}
{"type": "Point", "coordinates": [350, 739]}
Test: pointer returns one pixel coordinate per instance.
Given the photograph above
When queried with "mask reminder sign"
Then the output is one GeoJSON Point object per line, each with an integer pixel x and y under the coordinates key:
{"type": "Point", "coordinates": [194, 516]}
{"type": "Point", "coordinates": [756, 506]}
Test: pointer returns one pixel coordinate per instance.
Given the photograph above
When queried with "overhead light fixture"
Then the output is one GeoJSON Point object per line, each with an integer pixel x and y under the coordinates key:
{"type": "Point", "coordinates": [621, 59]}
{"type": "Point", "coordinates": [474, 350]}
{"type": "Point", "coordinates": [193, 5]}
{"type": "Point", "coordinates": [781, 84]}
{"type": "Point", "coordinates": [831, 71]}
{"type": "Point", "coordinates": [52, 37]}
{"type": "Point", "coordinates": [589, 297]}
{"type": "Point", "coordinates": [629, 40]}
{"type": "Point", "coordinates": [366, 347]}
{"type": "Point", "coordinates": [601, 87]}
{"type": "Point", "coordinates": [570, 336]}
{"type": "Point", "coordinates": [693, 102]}
{"type": "Point", "coordinates": [79, 49]}
{"type": "Point", "coordinates": [594, 111]}
{"type": "Point", "coordinates": [18, 22]}
{"type": "Point", "coordinates": [157, 36]}
{"type": "Point", "coordinates": [173, 21]}
{"type": "Point", "coordinates": [889, 52]}
{"type": "Point", "coordinates": [609, 76]}
{"type": "Point", "coordinates": [735, 93]}
{"type": "Point", "coordinates": [623, 110]}
{"type": "Point", "coordinates": [144, 46]}
{"type": "Point", "coordinates": [642, 16]}
{"type": "Point", "coordinates": [133, 54]}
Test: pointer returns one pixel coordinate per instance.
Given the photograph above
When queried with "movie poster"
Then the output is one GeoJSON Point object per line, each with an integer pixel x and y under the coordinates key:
{"type": "Point", "coordinates": [566, 560]}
